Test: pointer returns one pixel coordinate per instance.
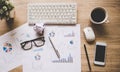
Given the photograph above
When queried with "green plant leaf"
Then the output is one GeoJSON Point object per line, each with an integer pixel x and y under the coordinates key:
{"type": "Point", "coordinates": [5, 8]}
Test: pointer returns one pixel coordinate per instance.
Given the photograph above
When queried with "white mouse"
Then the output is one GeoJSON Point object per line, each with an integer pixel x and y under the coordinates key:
{"type": "Point", "coordinates": [89, 34]}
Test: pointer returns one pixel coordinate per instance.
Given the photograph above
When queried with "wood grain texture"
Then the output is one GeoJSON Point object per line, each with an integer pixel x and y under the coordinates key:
{"type": "Point", "coordinates": [109, 33]}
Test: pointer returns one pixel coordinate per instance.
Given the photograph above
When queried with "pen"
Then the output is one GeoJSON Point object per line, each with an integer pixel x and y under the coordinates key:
{"type": "Point", "coordinates": [87, 57]}
{"type": "Point", "coordinates": [56, 51]}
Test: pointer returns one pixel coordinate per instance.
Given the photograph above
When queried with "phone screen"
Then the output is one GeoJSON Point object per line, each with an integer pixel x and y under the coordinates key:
{"type": "Point", "coordinates": [100, 53]}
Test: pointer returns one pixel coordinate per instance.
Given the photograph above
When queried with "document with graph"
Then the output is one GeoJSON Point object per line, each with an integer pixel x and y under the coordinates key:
{"type": "Point", "coordinates": [63, 55]}
{"type": "Point", "coordinates": [11, 53]}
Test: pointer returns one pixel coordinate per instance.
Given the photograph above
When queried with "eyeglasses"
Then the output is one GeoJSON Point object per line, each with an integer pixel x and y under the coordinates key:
{"type": "Point", "coordinates": [38, 42]}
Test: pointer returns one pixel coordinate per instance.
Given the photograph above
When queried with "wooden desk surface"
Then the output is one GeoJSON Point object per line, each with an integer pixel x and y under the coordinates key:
{"type": "Point", "coordinates": [107, 32]}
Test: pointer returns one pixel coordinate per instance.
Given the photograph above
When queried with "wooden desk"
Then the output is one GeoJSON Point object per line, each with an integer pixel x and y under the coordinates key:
{"type": "Point", "coordinates": [107, 32]}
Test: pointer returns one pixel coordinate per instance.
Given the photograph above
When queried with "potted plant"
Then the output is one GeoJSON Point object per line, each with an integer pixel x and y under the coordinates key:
{"type": "Point", "coordinates": [6, 11]}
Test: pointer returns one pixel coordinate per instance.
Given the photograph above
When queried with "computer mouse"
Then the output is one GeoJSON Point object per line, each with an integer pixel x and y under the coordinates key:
{"type": "Point", "coordinates": [89, 34]}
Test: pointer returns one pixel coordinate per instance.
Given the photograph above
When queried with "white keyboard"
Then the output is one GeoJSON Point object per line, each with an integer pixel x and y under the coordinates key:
{"type": "Point", "coordinates": [52, 13]}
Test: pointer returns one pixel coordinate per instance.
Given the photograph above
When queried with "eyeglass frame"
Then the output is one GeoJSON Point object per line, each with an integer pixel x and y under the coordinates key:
{"type": "Point", "coordinates": [25, 42]}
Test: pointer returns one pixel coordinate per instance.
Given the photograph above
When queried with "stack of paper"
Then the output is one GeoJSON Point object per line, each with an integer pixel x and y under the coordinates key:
{"type": "Point", "coordinates": [66, 40]}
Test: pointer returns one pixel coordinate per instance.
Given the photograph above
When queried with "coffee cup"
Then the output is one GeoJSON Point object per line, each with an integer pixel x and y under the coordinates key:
{"type": "Point", "coordinates": [99, 16]}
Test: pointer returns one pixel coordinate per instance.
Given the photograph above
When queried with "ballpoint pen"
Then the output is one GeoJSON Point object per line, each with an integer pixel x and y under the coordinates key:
{"type": "Point", "coordinates": [56, 51]}
{"type": "Point", "coordinates": [87, 57]}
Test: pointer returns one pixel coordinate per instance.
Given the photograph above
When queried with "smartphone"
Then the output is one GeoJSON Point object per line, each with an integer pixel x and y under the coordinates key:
{"type": "Point", "coordinates": [100, 52]}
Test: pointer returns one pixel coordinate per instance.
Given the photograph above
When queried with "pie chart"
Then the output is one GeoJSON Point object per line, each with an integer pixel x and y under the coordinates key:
{"type": "Point", "coordinates": [7, 47]}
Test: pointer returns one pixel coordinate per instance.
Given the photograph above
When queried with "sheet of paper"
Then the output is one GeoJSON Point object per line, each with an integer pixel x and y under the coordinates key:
{"type": "Point", "coordinates": [11, 53]}
{"type": "Point", "coordinates": [66, 40]}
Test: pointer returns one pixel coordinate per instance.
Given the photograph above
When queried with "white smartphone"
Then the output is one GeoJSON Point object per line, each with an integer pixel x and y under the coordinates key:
{"type": "Point", "coordinates": [100, 52]}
